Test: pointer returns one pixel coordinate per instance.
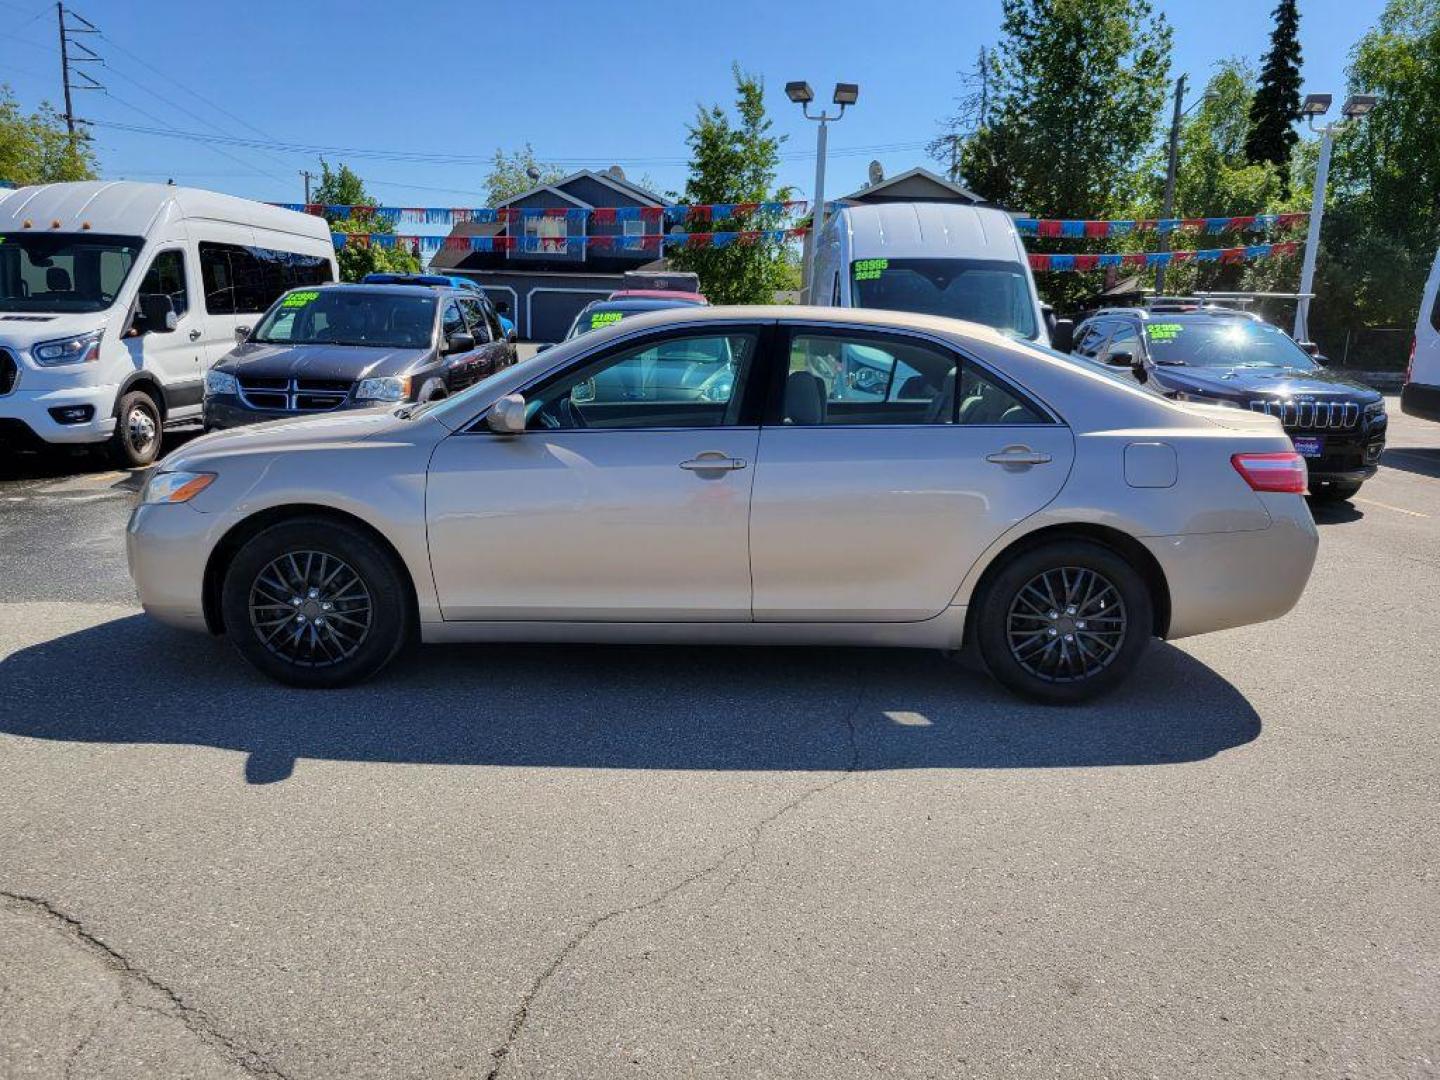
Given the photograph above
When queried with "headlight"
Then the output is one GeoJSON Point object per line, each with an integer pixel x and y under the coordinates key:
{"type": "Point", "coordinates": [80, 349]}
{"type": "Point", "coordinates": [1200, 399]}
{"type": "Point", "coordinates": [389, 388]}
{"type": "Point", "coordinates": [175, 487]}
{"type": "Point", "coordinates": [220, 382]}
{"type": "Point", "coordinates": [1375, 410]}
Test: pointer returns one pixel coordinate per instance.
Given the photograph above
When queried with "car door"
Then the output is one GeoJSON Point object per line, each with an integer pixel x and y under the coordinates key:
{"type": "Point", "coordinates": [873, 499]}
{"type": "Point", "coordinates": [607, 507]}
{"type": "Point", "coordinates": [177, 356]}
{"type": "Point", "coordinates": [490, 351]}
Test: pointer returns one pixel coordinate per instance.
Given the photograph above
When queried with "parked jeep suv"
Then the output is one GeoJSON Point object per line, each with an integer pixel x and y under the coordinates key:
{"type": "Point", "coordinates": [355, 346]}
{"type": "Point", "coordinates": [1220, 356]}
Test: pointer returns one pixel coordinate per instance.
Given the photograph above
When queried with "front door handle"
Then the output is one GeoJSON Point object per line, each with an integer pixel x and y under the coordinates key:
{"type": "Point", "coordinates": [1018, 455]}
{"type": "Point", "coordinates": [194, 335]}
{"type": "Point", "coordinates": [713, 461]}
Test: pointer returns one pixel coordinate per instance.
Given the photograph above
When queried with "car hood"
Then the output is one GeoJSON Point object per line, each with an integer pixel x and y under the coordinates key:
{"type": "Point", "coordinates": [340, 362]}
{"type": "Point", "coordinates": [21, 329]}
{"type": "Point", "coordinates": [1266, 382]}
{"type": "Point", "coordinates": [348, 426]}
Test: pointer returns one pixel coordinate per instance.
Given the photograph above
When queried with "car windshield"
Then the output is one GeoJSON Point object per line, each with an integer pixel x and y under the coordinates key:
{"type": "Point", "coordinates": [599, 316]}
{"type": "Point", "coordinates": [992, 292]}
{"type": "Point", "coordinates": [64, 272]}
{"type": "Point", "coordinates": [350, 317]}
{"type": "Point", "coordinates": [1224, 343]}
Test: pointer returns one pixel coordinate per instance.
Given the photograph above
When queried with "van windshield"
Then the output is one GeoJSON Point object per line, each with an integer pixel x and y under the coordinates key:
{"type": "Point", "coordinates": [988, 291]}
{"type": "Point", "coordinates": [397, 319]}
{"type": "Point", "coordinates": [64, 272]}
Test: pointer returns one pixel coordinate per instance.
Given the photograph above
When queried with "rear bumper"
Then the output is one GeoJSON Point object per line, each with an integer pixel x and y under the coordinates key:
{"type": "Point", "coordinates": [1221, 580]}
{"type": "Point", "coordinates": [1421, 400]}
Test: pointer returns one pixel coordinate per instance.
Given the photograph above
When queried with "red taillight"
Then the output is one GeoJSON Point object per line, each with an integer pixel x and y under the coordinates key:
{"type": "Point", "coordinates": [1284, 471]}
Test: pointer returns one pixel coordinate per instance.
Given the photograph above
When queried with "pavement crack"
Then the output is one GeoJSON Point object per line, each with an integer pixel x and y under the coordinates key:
{"type": "Point", "coordinates": [750, 845]}
{"type": "Point", "coordinates": [196, 1020]}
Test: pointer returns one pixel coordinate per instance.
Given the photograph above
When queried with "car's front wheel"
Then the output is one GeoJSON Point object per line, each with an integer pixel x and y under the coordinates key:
{"type": "Point", "coordinates": [1064, 622]}
{"type": "Point", "coordinates": [316, 603]}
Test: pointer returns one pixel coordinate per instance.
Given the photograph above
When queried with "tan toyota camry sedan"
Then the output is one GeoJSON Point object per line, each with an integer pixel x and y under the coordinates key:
{"type": "Point", "coordinates": [755, 475]}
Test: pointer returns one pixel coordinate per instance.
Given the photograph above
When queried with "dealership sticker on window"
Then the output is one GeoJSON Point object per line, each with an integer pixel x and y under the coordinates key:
{"type": "Point", "coordinates": [604, 318]}
{"type": "Point", "coordinates": [300, 299]}
{"type": "Point", "coordinates": [870, 269]}
{"type": "Point", "coordinates": [1165, 331]}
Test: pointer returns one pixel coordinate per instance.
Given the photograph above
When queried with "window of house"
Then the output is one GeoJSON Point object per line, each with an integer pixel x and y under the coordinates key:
{"type": "Point", "coordinates": [546, 234]}
{"type": "Point", "coordinates": [633, 228]}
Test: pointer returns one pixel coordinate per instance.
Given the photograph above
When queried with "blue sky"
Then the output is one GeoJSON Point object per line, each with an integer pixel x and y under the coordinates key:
{"type": "Point", "coordinates": [461, 79]}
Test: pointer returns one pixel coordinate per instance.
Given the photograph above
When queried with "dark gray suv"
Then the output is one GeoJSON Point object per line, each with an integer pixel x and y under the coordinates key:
{"type": "Point", "coordinates": [329, 347]}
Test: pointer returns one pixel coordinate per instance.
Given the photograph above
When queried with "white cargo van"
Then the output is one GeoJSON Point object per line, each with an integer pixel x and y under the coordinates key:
{"type": "Point", "coordinates": [116, 297]}
{"type": "Point", "coordinates": [1421, 394]}
{"type": "Point", "coordinates": [963, 262]}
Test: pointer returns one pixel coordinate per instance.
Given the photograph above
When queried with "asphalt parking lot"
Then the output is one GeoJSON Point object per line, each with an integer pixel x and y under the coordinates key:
{"type": "Point", "coordinates": [650, 862]}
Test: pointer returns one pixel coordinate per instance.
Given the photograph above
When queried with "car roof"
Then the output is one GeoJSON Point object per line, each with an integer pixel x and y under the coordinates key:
{"type": "Point", "coordinates": [637, 304]}
{"type": "Point", "coordinates": [929, 230]}
{"type": "Point", "coordinates": [375, 287]}
{"type": "Point", "coordinates": [1165, 314]}
{"type": "Point", "coordinates": [658, 294]}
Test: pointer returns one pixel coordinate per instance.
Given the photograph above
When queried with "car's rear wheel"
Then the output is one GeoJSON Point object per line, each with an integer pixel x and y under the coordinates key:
{"type": "Point", "coordinates": [316, 603]}
{"type": "Point", "coordinates": [1064, 622]}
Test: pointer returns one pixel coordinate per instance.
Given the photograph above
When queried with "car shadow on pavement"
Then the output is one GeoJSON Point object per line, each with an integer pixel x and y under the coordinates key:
{"type": "Point", "coordinates": [1423, 461]}
{"type": "Point", "coordinates": [620, 707]}
{"type": "Point", "coordinates": [1335, 513]}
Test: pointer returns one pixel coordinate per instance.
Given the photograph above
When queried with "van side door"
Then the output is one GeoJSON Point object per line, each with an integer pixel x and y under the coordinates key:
{"type": "Point", "coordinates": [175, 356]}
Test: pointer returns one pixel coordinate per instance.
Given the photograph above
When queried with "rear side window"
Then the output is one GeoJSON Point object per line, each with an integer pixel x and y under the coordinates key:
{"type": "Point", "coordinates": [247, 280]}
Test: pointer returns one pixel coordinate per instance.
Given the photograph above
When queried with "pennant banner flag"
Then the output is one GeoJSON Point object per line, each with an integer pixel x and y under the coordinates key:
{"type": "Point", "coordinates": [458, 215]}
{"type": "Point", "coordinates": [1211, 225]}
{"type": "Point", "coordinates": [540, 245]}
{"type": "Point", "coordinates": [1160, 258]}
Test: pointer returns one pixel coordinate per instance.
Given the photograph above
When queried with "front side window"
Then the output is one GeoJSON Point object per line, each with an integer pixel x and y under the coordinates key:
{"type": "Point", "coordinates": [1092, 336]}
{"type": "Point", "coordinates": [475, 316]}
{"type": "Point", "coordinates": [988, 291]}
{"type": "Point", "coordinates": [64, 272]}
{"type": "Point", "coordinates": [350, 317]}
{"type": "Point", "coordinates": [452, 322]}
{"type": "Point", "coordinates": [834, 379]}
{"type": "Point", "coordinates": [166, 277]}
{"type": "Point", "coordinates": [692, 381]}
{"type": "Point", "coordinates": [1126, 340]}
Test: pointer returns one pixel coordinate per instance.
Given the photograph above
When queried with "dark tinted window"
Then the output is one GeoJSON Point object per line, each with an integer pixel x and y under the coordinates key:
{"type": "Point", "coordinates": [1225, 342]}
{"type": "Point", "coordinates": [245, 280]}
{"type": "Point", "coordinates": [987, 291]}
{"type": "Point", "coordinates": [63, 271]}
{"type": "Point", "coordinates": [1126, 339]}
{"type": "Point", "coordinates": [451, 321]}
{"type": "Point", "coordinates": [166, 277]}
{"type": "Point", "coordinates": [1092, 337]}
{"type": "Point", "coordinates": [351, 317]}
{"type": "Point", "coordinates": [475, 316]}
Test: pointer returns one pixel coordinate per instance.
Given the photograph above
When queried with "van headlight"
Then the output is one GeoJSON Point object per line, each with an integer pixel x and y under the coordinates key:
{"type": "Point", "coordinates": [387, 388]}
{"type": "Point", "coordinates": [175, 487]}
{"type": "Point", "coordinates": [220, 382]}
{"type": "Point", "coordinates": [80, 349]}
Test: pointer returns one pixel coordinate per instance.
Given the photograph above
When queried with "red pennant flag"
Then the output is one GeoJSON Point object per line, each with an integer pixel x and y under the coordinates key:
{"type": "Point", "coordinates": [603, 215]}
{"type": "Point", "coordinates": [699, 213]}
{"type": "Point", "coordinates": [652, 213]}
{"type": "Point", "coordinates": [698, 239]}
{"type": "Point", "coordinates": [1049, 228]}
{"type": "Point", "coordinates": [1087, 262]}
{"type": "Point", "coordinates": [1097, 228]}
{"type": "Point", "coordinates": [1135, 258]}
{"type": "Point", "coordinates": [1039, 262]}
{"type": "Point", "coordinates": [1243, 222]}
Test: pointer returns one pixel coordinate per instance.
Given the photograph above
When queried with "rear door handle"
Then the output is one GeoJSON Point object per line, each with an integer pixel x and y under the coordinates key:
{"type": "Point", "coordinates": [713, 462]}
{"type": "Point", "coordinates": [1018, 455]}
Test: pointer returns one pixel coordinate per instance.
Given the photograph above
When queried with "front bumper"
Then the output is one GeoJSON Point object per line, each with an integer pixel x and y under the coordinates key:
{"type": "Point", "coordinates": [25, 415]}
{"type": "Point", "coordinates": [1221, 580]}
{"type": "Point", "coordinates": [167, 548]}
{"type": "Point", "coordinates": [1345, 457]}
{"type": "Point", "coordinates": [229, 411]}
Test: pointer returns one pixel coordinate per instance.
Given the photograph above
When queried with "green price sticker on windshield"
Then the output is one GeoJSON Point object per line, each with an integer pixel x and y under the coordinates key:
{"type": "Point", "coordinates": [300, 299]}
{"type": "Point", "coordinates": [870, 269]}
{"type": "Point", "coordinates": [604, 318]}
{"type": "Point", "coordinates": [1164, 332]}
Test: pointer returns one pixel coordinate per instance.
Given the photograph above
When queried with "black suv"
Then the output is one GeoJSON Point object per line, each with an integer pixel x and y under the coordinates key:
{"type": "Point", "coordinates": [1221, 356]}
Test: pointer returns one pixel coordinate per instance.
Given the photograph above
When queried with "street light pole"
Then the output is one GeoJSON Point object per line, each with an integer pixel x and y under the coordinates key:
{"type": "Point", "coordinates": [1314, 106]}
{"type": "Point", "coordinates": [801, 94]}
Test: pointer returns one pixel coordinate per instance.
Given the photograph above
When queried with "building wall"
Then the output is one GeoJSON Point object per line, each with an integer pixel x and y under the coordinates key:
{"type": "Point", "coordinates": [543, 303]}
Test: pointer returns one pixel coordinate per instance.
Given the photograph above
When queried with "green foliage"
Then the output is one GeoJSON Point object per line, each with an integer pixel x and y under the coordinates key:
{"type": "Point", "coordinates": [510, 175]}
{"type": "Point", "coordinates": [736, 161]}
{"type": "Point", "coordinates": [343, 187]}
{"type": "Point", "coordinates": [1276, 104]}
{"type": "Point", "coordinates": [36, 148]}
{"type": "Point", "coordinates": [1078, 88]}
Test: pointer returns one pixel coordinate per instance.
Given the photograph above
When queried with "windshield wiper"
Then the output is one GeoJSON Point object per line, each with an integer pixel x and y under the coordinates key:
{"type": "Point", "coordinates": [1170, 362]}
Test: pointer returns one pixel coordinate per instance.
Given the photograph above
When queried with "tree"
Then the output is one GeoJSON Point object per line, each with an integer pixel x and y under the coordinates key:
{"type": "Point", "coordinates": [736, 161]}
{"type": "Point", "coordinates": [1077, 91]}
{"type": "Point", "coordinates": [36, 148]}
{"type": "Point", "coordinates": [343, 187]}
{"type": "Point", "coordinates": [1276, 104]}
{"type": "Point", "coordinates": [510, 174]}
{"type": "Point", "coordinates": [972, 114]}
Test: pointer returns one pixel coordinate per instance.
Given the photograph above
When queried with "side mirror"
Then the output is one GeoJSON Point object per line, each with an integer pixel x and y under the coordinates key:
{"type": "Point", "coordinates": [1121, 359]}
{"type": "Point", "coordinates": [1310, 347]}
{"type": "Point", "coordinates": [458, 343]}
{"type": "Point", "coordinates": [541, 348]}
{"type": "Point", "coordinates": [158, 313]}
{"type": "Point", "coordinates": [507, 416]}
{"type": "Point", "coordinates": [242, 335]}
{"type": "Point", "coordinates": [1062, 335]}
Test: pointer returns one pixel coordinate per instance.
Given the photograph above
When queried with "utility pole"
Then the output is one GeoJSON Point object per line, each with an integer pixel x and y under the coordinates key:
{"type": "Point", "coordinates": [1169, 208]}
{"type": "Point", "coordinates": [67, 61]}
{"type": "Point", "coordinates": [308, 176]}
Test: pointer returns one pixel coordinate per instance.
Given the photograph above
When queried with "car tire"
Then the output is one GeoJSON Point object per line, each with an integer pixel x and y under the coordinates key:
{"type": "Point", "coordinates": [136, 442]}
{"type": "Point", "coordinates": [1109, 612]}
{"type": "Point", "coordinates": [1336, 492]}
{"type": "Point", "coordinates": [319, 562]}
{"type": "Point", "coordinates": [432, 390]}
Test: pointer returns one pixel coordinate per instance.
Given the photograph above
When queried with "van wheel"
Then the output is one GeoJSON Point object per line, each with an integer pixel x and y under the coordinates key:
{"type": "Point", "coordinates": [136, 442]}
{"type": "Point", "coordinates": [431, 390]}
{"type": "Point", "coordinates": [316, 603]}
{"type": "Point", "coordinates": [1064, 622]}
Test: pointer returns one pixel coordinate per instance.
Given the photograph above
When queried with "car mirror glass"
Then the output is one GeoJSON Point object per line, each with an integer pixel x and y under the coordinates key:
{"type": "Point", "coordinates": [1121, 359]}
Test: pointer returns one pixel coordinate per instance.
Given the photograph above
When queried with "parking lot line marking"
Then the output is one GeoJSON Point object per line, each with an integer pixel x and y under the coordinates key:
{"type": "Point", "coordinates": [1387, 506]}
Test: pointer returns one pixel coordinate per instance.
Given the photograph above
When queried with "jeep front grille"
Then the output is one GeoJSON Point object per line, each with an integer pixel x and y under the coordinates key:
{"type": "Point", "coordinates": [1311, 415]}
